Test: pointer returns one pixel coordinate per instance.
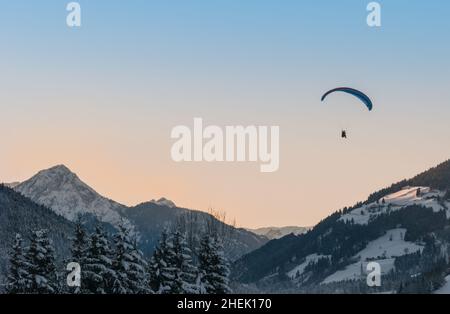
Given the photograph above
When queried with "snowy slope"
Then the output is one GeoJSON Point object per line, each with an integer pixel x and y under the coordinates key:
{"type": "Point", "coordinates": [423, 196]}
{"type": "Point", "coordinates": [279, 232]}
{"type": "Point", "coordinates": [389, 245]}
{"type": "Point", "coordinates": [358, 271]}
{"type": "Point", "coordinates": [446, 288]}
{"type": "Point", "coordinates": [299, 269]}
{"type": "Point", "coordinates": [383, 250]}
{"type": "Point", "coordinates": [61, 190]}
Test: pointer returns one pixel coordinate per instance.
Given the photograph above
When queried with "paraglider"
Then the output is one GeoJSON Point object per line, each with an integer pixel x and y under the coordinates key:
{"type": "Point", "coordinates": [358, 94]}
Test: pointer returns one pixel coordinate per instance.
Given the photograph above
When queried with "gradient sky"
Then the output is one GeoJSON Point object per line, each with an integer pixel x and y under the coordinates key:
{"type": "Point", "coordinates": [103, 99]}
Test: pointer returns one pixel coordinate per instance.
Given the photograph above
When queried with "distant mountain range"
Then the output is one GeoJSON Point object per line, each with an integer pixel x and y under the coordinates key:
{"type": "Point", "coordinates": [53, 198]}
{"type": "Point", "coordinates": [405, 228]}
{"type": "Point", "coordinates": [279, 232]}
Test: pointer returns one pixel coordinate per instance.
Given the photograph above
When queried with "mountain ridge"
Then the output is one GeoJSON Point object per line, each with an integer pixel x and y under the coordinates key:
{"type": "Point", "coordinates": [412, 214]}
{"type": "Point", "coordinates": [61, 190]}
{"type": "Point", "coordinates": [278, 232]}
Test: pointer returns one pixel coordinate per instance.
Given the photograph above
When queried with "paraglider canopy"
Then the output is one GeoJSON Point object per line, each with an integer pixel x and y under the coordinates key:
{"type": "Point", "coordinates": [360, 95]}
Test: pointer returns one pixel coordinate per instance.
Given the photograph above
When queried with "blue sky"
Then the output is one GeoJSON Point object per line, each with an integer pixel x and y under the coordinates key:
{"type": "Point", "coordinates": [114, 88]}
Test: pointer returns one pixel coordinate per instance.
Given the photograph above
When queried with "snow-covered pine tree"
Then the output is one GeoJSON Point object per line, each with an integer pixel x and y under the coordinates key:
{"type": "Point", "coordinates": [221, 269]}
{"type": "Point", "coordinates": [99, 275]}
{"type": "Point", "coordinates": [79, 249]}
{"type": "Point", "coordinates": [160, 277]}
{"type": "Point", "coordinates": [40, 264]}
{"type": "Point", "coordinates": [154, 270]}
{"type": "Point", "coordinates": [204, 259]}
{"type": "Point", "coordinates": [129, 265]}
{"type": "Point", "coordinates": [213, 267]}
{"type": "Point", "coordinates": [18, 277]}
{"type": "Point", "coordinates": [180, 261]}
{"type": "Point", "coordinates": [121, 261]}
{"type": "Point", "coordinates": [79, 242]}
{"type": "Point", "coordinates": [138, 274]}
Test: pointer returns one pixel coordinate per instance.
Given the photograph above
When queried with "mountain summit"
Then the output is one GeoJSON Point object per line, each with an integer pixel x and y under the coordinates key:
{"type": "Point", "coordinates": [61, 190]}
{"type": "Point", "coordinates": [163, 202]}
{"type": "Point", "coordinates": [279, 232]}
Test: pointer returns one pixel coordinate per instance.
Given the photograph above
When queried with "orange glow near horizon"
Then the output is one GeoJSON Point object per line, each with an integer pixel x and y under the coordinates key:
{"type": "Point", "coordinates": [309, 185]}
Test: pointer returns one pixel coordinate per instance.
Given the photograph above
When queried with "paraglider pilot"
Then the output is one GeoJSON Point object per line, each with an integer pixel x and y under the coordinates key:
{"type": "Point", "coordinates": [360, 95]}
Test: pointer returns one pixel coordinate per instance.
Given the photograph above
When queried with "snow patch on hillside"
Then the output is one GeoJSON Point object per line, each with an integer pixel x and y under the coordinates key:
{"type": "Point", "coordinates": [383, 250]}
{"type": "Point", "coordinates": [299, 269]}
{"type": "Point", "coordinates": [419, 195]}
{"type": "Point", "coordinates": [445, 289]}
{"type": "Point", "coordinates": [392, 244]}
{"type": "Point", "coordinates": [358, 271]}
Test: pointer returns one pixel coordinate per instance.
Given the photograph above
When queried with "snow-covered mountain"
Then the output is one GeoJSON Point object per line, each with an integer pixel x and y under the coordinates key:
{"type": "Point", "coordinates": [163, 202]}
{"type": "Point", "coordinates": [279, 232]}
{"type": "Point", "coordinates": [61, 190]}
{"type": "Point", "coordinates": [407, 196]}
{"type": "Point", "coordinates": [405, 228]}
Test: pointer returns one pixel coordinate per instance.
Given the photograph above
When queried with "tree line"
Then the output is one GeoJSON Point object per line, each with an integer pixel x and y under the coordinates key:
{"type": "Point", "coordinates": [113, 264]}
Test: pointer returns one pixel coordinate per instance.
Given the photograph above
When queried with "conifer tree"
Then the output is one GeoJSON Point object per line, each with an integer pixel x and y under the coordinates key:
{"type": "Point", "coordinates": [159, 274]}
{"type": "Point", "coordinates": [79, 242]}
{"type": "Point", "coordinates": [129, 265]}
{"type": "Point", "coordinates": [121, 261]}
{"type": "Point", "coordinates": [79, 249]}
{"type": "Point", "coordinates": [180, 262]}
{"type": "Point", "coordinates": [99, 275]}
{"type": "Point", "coordinates": [138, 274]}
{"type": "Point", "coordinates": [213, 267]}
{"type": "Point", "coordinates": [18, 277]}
{"type": "Point", "coordinates": [40, 264]}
